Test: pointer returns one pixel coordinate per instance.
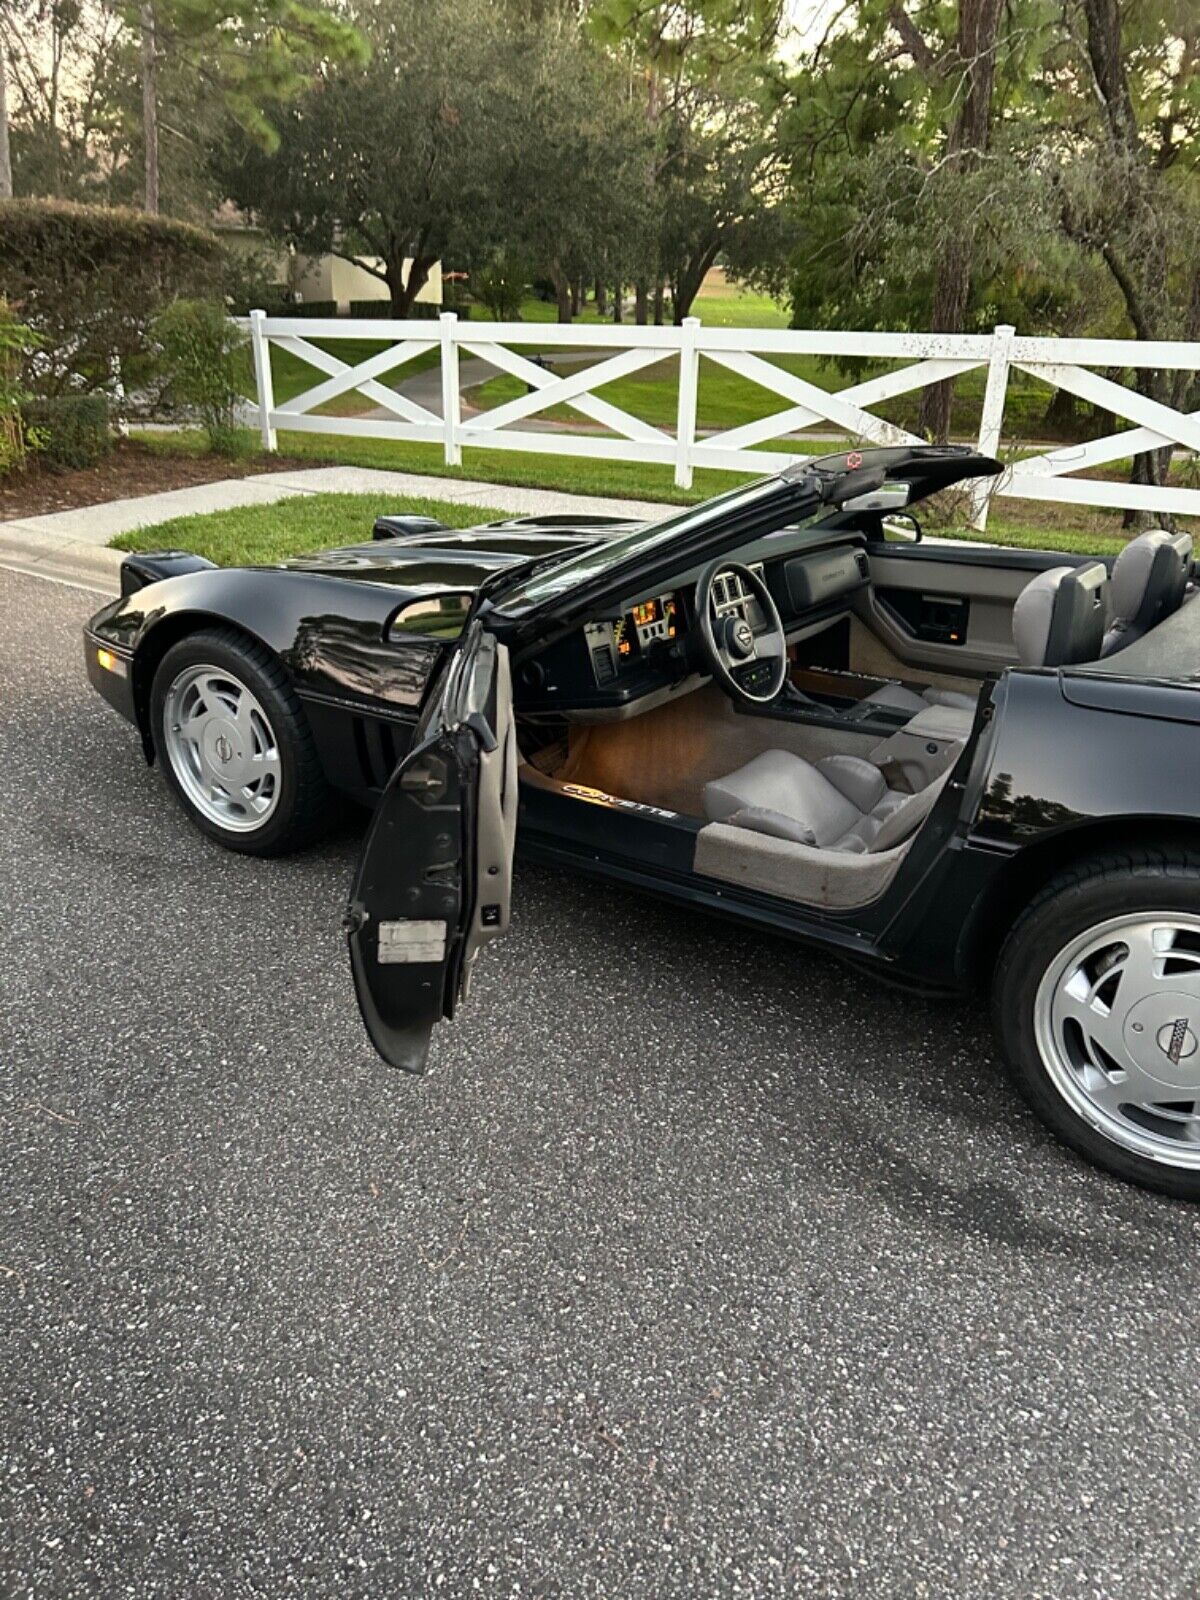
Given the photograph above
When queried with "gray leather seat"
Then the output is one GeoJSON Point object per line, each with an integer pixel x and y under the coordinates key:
{"type": "Point", "coordinates": [898, 698]}
{"type": "Point", "coordinates": [843, 802]}
{"type": "Point", "coordinates": [840, 803]}
{"type": "Point", "coordinates": [1058, 617]}
{"type": "Point", "coordinates": [1149, 580]}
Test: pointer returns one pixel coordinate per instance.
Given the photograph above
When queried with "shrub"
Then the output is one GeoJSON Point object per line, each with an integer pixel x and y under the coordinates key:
{"type": "Point", "coordinates": [89, 280]}
{"type": "Point", "coordinates": [201, 356]}
{"type": "Point", "coordinates": [16, 439]}
{"type": "Point", "coordinates": [72, 429]}
{"type": "Point", "coordinates": [501, 285]}
{"type": "Point", "coordinates": [250, 282]}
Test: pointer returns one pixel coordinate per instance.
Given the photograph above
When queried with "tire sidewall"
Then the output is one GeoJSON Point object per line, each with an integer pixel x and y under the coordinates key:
{"type": "Point", "coordinates": [1031, 949]}
{"type": "Point", "coordinates": [207, 649]}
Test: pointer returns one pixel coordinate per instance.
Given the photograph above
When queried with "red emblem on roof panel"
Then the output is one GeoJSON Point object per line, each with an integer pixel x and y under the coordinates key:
{"type": "Point", "coordinates": [854, 459]}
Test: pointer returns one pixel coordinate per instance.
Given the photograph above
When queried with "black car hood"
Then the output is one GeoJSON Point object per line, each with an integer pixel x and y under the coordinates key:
{"type": "Point", "coordinates": [454, 558]}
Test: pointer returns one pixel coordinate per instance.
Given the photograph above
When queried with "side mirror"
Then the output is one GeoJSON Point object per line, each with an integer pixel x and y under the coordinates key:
{"type": "Point", "coordinates": [901, 528]}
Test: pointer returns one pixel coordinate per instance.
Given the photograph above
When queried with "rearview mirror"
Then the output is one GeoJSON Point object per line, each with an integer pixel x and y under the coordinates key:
{"type": "Point", "coordinates": [890, 496]}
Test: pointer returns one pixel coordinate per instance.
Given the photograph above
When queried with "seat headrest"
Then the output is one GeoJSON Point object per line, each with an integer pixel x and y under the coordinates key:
{"type": "Point", "coordinates": [1149, 579]}
{"type": "Point", "coordinates": [1058, 618]}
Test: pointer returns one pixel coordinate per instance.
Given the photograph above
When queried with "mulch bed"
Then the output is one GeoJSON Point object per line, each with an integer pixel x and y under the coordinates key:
{"type": "Point", "coordinates": [130, 470]}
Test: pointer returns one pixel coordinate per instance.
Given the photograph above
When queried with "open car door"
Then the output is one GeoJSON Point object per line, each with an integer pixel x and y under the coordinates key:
{"type": "Point", "coordinates": [434, 880]}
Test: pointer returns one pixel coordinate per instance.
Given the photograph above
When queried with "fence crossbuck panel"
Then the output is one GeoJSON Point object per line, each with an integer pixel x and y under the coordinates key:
{"type": "Point", "coordinates": [569, 366]}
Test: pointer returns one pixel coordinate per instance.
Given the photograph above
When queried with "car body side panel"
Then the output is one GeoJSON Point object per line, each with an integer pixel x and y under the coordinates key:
{"type": "Point", "coordinates": [1057, 765]}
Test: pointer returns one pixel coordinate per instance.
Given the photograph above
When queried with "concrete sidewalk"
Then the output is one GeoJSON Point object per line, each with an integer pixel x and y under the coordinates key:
{"type": "Point", "coordinates": [71, 545]}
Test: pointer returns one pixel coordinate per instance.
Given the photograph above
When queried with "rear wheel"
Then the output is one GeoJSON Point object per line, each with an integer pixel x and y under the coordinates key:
{"type": "Point", "coordinates": [235, 745]}
{"type": "Point", "coordinates": [1097, 1003]}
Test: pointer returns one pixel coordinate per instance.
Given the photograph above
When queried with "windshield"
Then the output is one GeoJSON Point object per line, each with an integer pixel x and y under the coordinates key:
{"type": "Point", "coordinates": [598, 559]}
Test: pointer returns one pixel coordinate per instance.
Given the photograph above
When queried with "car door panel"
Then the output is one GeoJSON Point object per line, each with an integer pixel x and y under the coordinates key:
{"type": "Point", "coordinates": [434, 879]}
{"type": "Point", "coordinates": [949, 607]}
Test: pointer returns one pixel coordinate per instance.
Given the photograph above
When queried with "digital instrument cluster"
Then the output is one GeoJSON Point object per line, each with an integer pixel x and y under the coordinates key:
{"type": "Point", "coordinates": [639, 628]}
{"type": "Point", "coordinates": [615, 645]}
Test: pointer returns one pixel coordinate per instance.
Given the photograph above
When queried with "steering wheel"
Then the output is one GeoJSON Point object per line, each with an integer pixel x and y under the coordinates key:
{"type": "Point", "coordinates": [748, 666]}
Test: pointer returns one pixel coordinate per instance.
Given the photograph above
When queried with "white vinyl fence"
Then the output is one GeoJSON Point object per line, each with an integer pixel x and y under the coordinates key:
{"type": "Point", "coordinates": [1083, 367]}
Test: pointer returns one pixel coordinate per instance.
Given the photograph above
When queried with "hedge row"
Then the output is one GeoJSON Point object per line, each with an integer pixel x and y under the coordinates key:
{"type": "Point", "coordinates": [89, 280]}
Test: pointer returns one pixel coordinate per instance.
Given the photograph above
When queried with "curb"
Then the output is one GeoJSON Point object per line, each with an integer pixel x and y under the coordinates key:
{"type": "Point", "coordinates": [44, 555]}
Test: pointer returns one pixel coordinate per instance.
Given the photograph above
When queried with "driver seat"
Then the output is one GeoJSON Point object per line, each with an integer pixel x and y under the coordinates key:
{"type": "Point", "coordinates": [839, 803]}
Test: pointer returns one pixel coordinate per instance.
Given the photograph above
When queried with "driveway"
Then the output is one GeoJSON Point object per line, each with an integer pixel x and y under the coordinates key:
{"type": "Point", "coordinates": [695, 1267]}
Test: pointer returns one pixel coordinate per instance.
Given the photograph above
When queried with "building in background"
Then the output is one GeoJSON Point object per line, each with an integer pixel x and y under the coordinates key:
{"type": "Point", "coordinates": [314, 280]}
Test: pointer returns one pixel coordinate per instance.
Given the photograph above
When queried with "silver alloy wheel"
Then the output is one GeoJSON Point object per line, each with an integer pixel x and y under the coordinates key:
{"type": "Point", "coordinates": [222, 748]}
{"type": "Point", "coordinates": [1117, 1024]}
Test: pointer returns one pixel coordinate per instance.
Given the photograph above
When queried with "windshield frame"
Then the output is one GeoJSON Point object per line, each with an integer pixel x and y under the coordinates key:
{"type": "Point", "coordinates": [550, 582]}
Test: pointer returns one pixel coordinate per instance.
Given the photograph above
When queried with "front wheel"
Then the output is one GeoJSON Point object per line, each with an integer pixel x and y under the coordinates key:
{"type": "Point", "coordinates": [235, 745]}
{"type": "Point", "coordinates": [1096, 1000]}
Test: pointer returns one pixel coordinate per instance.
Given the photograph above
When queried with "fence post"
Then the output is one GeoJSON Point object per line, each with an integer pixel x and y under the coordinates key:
{"type": "Point", "coordinates": [685, 422]}
{"type": "Point", "coordinates": [991, 421]}
{"type": "Point", "coordinates": [262, 379]}
{"type": "Point", "coordinates": [451, 407]}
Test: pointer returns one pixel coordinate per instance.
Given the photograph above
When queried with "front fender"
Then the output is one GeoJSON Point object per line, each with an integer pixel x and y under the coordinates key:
{"type": "Point", "coordinates": [330, 635]}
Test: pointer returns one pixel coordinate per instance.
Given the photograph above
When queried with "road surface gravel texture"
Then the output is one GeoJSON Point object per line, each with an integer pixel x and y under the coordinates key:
{"type": "Point", "coordinates": [697, 1265]}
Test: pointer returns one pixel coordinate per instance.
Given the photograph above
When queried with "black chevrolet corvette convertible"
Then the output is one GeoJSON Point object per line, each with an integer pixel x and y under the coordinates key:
{"type": "Point", "coordinates": [953, 764]}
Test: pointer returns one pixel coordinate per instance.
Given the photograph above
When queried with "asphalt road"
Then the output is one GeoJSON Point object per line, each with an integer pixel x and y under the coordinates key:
{"type": "Point", "coordinates": [695, 1267]}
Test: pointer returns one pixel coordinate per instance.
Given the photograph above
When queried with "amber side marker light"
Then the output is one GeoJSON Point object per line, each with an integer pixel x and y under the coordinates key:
{"type": "Point", "coordinates": [110, 662]}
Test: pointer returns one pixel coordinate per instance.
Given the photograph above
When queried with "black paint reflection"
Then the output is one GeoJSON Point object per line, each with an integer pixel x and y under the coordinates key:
{"type": "Point", "coordinates": [1023, 813]}
{"type": "Point", "coordinates": [341, 654]}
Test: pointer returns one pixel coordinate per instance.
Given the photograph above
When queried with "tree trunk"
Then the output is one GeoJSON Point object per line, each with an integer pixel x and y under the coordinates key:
{"type": "Point", "coordinates": [562, 294]}
{"type": "Point", "coordinates": [150, 106]}
{"type": "Point", "coordinates": [601, 292]}
{"type": "Point", "coordinates": [405, 289]}
{"type": "Point", "coordinates": [690, 281]}
{"type": "Point", "coordinates": [641, 303]}
{"type": "Point", "coordinates": [659, 290]}
{"type": "Point", "coordinates": [951, 291]}
{"type": "Point", "coordinates": [1059, 416]}
{"type": "Point", "coordinates": [616, 302]}
{"type": "Point", "coordinates": [1150, 467]}
{"type": "Point", "coordinates": [6, 187]}
{"type": "Point", "coordinates": [968, 138]}
{"type": "Point", "coordinates": [1141, 273]}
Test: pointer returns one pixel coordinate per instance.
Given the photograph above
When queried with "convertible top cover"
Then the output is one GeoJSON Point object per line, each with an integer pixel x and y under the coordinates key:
{"type": "Point", "coordinates": [926, 468]}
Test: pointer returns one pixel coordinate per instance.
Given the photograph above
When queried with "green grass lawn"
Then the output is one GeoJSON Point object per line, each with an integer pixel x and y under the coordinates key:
{"type": "Point", "coordinates": [307, 522]}
{"type": "Point", "coordinates": [252, 535]}
{"type": "Point", "coordinates": [717, 306]}
{"type": "Point", "coordinates": [626, 480]}
{"type": "Point", "coordinates": [1026, 524]}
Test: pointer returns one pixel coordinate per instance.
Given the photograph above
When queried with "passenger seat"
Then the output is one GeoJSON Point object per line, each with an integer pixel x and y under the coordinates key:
{"type": "Point", "coordinates": [1149, 580]}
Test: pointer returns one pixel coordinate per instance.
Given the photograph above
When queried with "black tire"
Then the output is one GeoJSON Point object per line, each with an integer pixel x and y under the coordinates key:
{"type": "Point", "coordinates": [303, 810]}
{"type": "Point", "coordinates": [1101, 888]}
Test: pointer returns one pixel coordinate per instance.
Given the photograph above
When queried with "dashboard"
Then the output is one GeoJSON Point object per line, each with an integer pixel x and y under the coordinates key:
{"type": "Point", "coordinates": [652, 643]}
{"type": "Point", "coordinates": [642, 636]}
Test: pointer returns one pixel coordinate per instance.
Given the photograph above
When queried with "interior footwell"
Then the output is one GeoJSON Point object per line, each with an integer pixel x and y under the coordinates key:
{"type": "Point", "coordinates": [666, 757]}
